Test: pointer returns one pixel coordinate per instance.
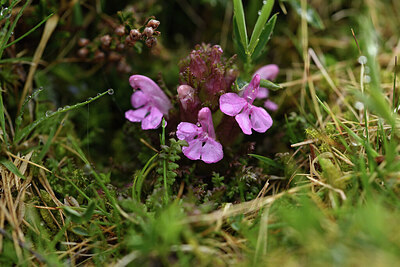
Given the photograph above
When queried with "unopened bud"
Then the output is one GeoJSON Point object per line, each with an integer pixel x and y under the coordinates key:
{"type": "Point", "coordinates": [129, 41]}
{"type": "Point", "coordinates": [148, 31]}
{"type": "Point", "coordinates": [105, 40]}
{"type": "Point", "coordinates": [113, 56]}
{"type": "Point", "coordinates": [120, 30]}
{"type": "Point", "coordinates": [120, 47]}
{"type": "Point", "coordinates": [135, 34]}
{"type": "Point", "coordinates": [150, 42]}
{"type": "Point", "coordinates": [99, 55]}
{"type": "Point", "coordinates": [83, 52]}
{"type": "Point", "coordinates": [153, 23]}
{"type": "Point", "coordinates": [83, 42]}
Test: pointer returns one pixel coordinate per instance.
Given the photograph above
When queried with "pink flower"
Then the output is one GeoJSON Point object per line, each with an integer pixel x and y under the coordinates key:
{"type": "Point", "coordinates": [150, 102]}
{"type": "Point", "coordinates": [201, 139]}
{"type": "Point", "coordinates": [267, 72]}
{"type": "Point", "coordinates": [247, 116]}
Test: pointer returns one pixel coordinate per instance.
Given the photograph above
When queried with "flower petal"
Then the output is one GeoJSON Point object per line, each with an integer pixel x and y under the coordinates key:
{"type": "Point", "coordinates": [271, 105]}
{"type": "Point", "coordinates": [153, 91]}
{"type": "Point", "coordinates": [251, 91]}
{"type": "Point", "coordinates": [262, 93]}
{"type": "Point", "coordinates": [187, 131]}
{"type": "Point", "coordinates": [211, 152]}
{"type": "Point", "coordinates": [231, 104]}
{"type": "Point", "coordinates": [261, 121]}
{"type": "Point", "coordinates": [268, 72]}
{"type": "Point", "coordinates": [243, 119]}
{"type": "Point", "coordinates": [205, 119]}
{"type": "Point", "coordinates": [137, 115]}
{"type": "Point", "coordinates": [139, 99]}
{"type": "Point", "coordinates": [193, 151]}
{"type": "Point", "coordinates": [153, 120]}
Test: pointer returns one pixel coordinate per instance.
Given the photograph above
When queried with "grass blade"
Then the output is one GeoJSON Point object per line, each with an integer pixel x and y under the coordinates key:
{"type": "Point", "coordinates": [267, 161]}
{"type": "Point", "coordinates": [2, 119]}
{"type": "Point", "coordinates": [29, 32]}
{"type": "Point", "coordinates": [311, 15]}
{"type": "Point", "coordinates": [12, 168]}
{"type": "Point", "coordinates": [11, 30]}
{"type": "Point", "coordinates": [28, 129]}
{"type": "Point", "coordinates": [260, 24]}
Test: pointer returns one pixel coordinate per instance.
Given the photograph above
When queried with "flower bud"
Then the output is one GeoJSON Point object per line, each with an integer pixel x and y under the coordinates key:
{"type": "Point", "coordinates": [120, 47]}
{"type": "Point", "coordinates": [113, 56]}
{"type": "Point", "coordinates": [129, 41]}
{"type": "Point", "coordinates": [150, 42]}
{"type": "Point", "coordinates": [153, 23]}
{"type": "Point", "coordinates": [135, 34]}
{"type": "Point", "coordinates": [105, 40]}
{"type": "Point", "coordinates": [148, 31]}
{"type": "Point", "coordinates": [120, 30]}
{"type": "Point", "coordinates": [99, 55]}
{"type": "Point", "coordinates": [83, 42]}
{"type": "Point", "coordinates": [83, 52]}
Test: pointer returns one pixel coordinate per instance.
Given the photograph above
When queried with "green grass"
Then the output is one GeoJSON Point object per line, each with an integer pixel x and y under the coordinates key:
{"type": "Point", "coordinates": [81, 186]}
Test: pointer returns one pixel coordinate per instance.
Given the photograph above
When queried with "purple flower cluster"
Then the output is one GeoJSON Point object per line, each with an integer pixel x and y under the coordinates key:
{"type": "Point", "coordinates": [206, 87]}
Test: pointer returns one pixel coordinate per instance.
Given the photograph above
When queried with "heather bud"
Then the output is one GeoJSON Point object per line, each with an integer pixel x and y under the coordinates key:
{"type": "Point", "coordinates": [83, 52]}
{"type": "Point", "coordinates": [99, 55]}
{"type": "Point", "coordinates": [129, 41]}
{"type": "Point", "coordinates": [148, 31]}
{"type": "Point", "coordinates": [120, 30]}
{"type": "Point", "coordinates": [135, 34]}
{"type": "Point", "coordinates": [83, 42]}
{"type": "Point", "coordinates": [120, 47]}
{"type": "Point", "coordinates": [153, 23]}
{"type": "Point", "coordinates": [113, 56]}
{"type": "Point", "coordinates": [150, 42]}
{"type": "Point", "coordinates": [105, 40]}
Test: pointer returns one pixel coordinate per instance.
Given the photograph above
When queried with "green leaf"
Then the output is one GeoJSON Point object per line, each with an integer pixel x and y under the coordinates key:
{"type": "Point", "coordinates": [29, 32]}
{"type": "Point", "coordinates": [264, 37]}
{"type": "Point", "coordinates": [2, 119]}
{"type": "Point", "coordinates": [270, 85]}
{"type": "Point", "coordinates": [28, 129]}
{"type": "Point", "coordinates": [77, 217]}
{"type": "Point", "coordinates": [311, 15]}
{"type": "Point", "coordinates": [87, 215]}
{"type": "Point", "coordinates": [80, 231]}
{"type": "Point", "coordinates": [260, 24]}
{"type": "Point", "coordinates": [12, 168]}
{"type": "Point", "coordinates": [238, 16]}
{"type": "Point", "coordinates": [240, 50]}
{"type": "Point", "coordinates": [267, 161]}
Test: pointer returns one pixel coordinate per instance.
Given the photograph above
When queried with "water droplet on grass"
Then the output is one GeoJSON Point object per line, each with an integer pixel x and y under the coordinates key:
{"type": "Point", "coordinates": [110, 91]}
{"type": "Point", "coordinates": [48, 113]}
{"type": "Point", "coordinates": [362, 60]}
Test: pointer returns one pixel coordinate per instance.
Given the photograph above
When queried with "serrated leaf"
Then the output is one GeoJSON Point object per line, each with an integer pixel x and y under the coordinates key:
{"type": "Point", "coordinates": [264, 37]}
{"type": "Point", "coordinates": [260, 25]}
{"type": "Point", "coordinates": [12, 168]}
